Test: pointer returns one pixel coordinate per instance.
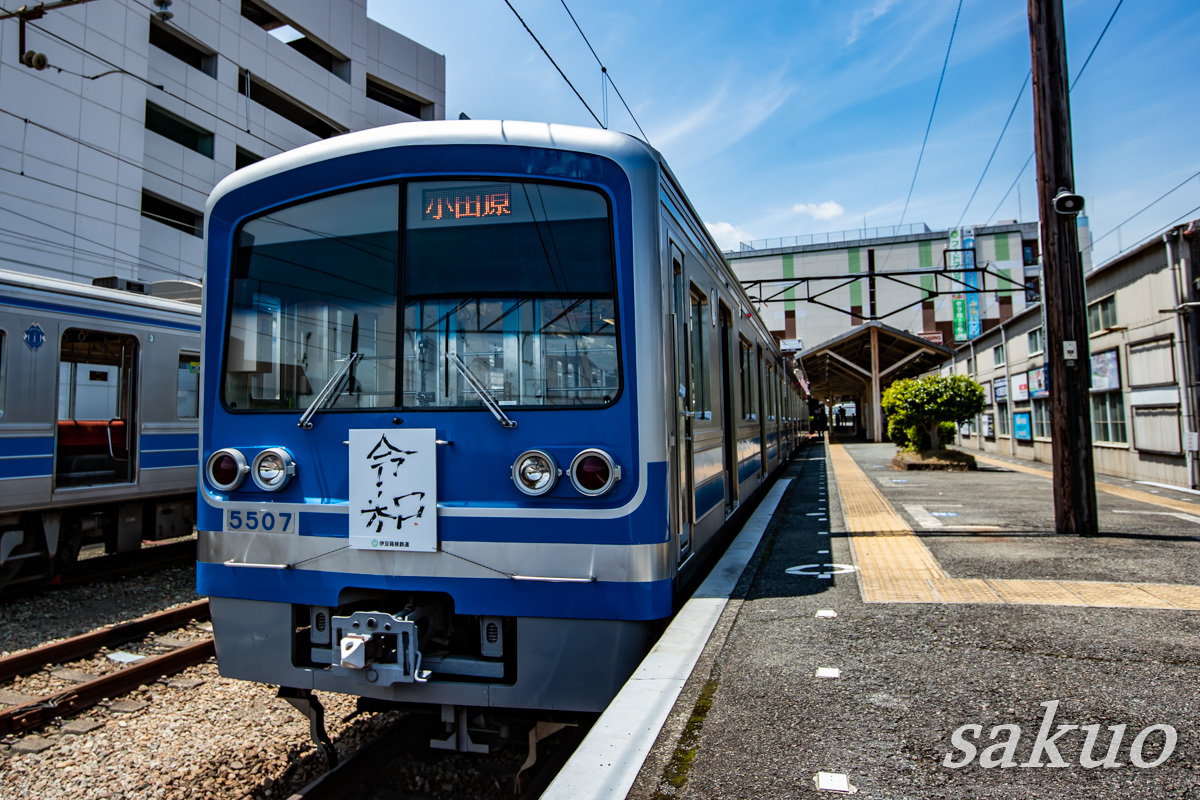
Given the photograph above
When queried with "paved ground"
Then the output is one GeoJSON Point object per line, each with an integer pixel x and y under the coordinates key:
{"type": "Point", "coordinates": [755, 721]}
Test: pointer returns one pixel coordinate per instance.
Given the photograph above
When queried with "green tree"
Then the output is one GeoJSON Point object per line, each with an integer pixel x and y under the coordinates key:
{"type": "Point", "coordinates": [926, 403]}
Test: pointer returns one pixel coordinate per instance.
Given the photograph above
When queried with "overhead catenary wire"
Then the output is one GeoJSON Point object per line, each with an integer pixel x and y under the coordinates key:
{"type": "Point", "coordinates": [555, 63]}
{"type": "Point", "coordinates": [1074, 83]}
{"type": "Point", "coordinates": [607, 76]}
{"type": "Point", "coordinates": [116, 68]}
{"type": "Point", "coordinates": [1013, 110]}
{"type": "Point", "coordinates": [932, 111]}
{"type": "Point", "coordinates": [1144, 209]}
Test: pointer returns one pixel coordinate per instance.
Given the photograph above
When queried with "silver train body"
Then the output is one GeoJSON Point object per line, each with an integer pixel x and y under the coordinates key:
{"type": "Point", "coordinates": [561, 590]}
{"type": "Point", "coordinates": [98, 421]}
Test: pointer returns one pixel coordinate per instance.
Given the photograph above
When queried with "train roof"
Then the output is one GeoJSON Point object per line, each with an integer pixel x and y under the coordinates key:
{"type": "Point", "coordinates": [83, 291]}
{"type": "Point", "coordinates": [620, 146]}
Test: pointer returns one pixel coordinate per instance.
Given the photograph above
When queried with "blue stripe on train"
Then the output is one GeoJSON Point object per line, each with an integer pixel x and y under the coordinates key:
{"type": "Point", "coordinates": [710, 495]}
{"type": "Point", "coordinates": [29, 467]}
{"type": "Point", "coordinates": [179, 458]}
{"type": "Point", "coordinates": [170, 441]}
{"type": "Point", "coordinates": [501, 597]}
{"type": "Point", "coordinates": [27, 446]}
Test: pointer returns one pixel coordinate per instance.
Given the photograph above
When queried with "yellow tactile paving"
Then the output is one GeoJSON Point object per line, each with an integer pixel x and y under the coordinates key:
{"type": "Point", "coordinates": [964, 590]}
{"type": "Point", "coordinates": [1042, 593]}
{"type": "Point", "coordinates": [894, 566]}
{"type": "Point", "coordinates": [1113, 595]}
{"type": "Point", "coordinates": [1119, 491]}
{"type": "Point", "coordinates": [1185, 597]}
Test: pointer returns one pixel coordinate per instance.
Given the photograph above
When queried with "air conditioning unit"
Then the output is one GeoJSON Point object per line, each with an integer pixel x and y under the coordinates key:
{"type": "Point", "coordinates": [121, 284]}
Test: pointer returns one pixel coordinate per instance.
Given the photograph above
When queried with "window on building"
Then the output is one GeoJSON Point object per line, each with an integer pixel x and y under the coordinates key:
{"type": "Point", "coordinates": [998, 355]}
{"type": "Point", "coordinates": [312, 49]}
{"type": "Point", "coordinates": [1108, 417]}
{"type": "Point", "coordinates": [178, 130]}
{"type": "Point", "coordinates": [1002, 419]}
{"type": "Point", "coordinates": [1041, 419]}
{"type": "Point", "coordinates": [170, 40]}
{"type": "Point", "coordinates": [1029, 252]}
{"type": "Point", "coordinates": [286, 106]}
{"type": "Point", "coordinates": [187, 386]}
{"type": "Point", "coordinates": [1036, 340]}
{"type": "Point", "coordinates": [244, 158]}
{"type": "Point", "coordinates": [398, 99]}
{"type": "Point", "coordinates": [701, 392]}
{"type": "Point", "coordinates": [1033, 288]}
{"type": "Point", "coordinates": [179, 217]}
{"type": "Point", "coordinates": [1102, 314]}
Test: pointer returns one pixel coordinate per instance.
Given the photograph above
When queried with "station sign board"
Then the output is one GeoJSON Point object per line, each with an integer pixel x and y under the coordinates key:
{"type": "Point", "coordinates": [1023, 426]}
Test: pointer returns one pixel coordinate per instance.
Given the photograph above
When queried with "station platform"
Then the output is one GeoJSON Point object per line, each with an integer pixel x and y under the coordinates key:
{"type": "Point", "coordinates": [922, 635]}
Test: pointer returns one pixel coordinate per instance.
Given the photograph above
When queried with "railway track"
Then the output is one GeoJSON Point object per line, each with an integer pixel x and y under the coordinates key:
{"type": "Point", "coordinates": [373, 771]}
{"type": "Point", "coordinates": [38, 711]}
{"type": "Point", "coordinates": [150, 558]}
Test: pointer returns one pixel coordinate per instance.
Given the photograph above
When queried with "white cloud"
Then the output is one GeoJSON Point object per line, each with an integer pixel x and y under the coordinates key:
{"type": "Point", "coordinates": [826, 210]}
{"type": "Point", "coordinates": [864, 17]}
{"type": "Point", "coordinates": [728, 236]}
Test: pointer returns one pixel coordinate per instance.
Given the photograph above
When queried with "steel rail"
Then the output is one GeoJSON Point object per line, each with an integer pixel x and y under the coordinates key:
{"type": "Point", "coordinates": [38, 712]}
{"type": "Point", "coordinates": [88, 643]}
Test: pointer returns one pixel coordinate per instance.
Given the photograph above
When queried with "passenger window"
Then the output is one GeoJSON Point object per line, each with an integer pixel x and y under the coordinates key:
{"type": "Point", "coordinates": [746, 366]}
{"type": "Point", "coordinates": [700, 372]}
{"type": "Point", "coordinates": [187, 386]}
{"type": "Point", "coordinates": [3, 370]}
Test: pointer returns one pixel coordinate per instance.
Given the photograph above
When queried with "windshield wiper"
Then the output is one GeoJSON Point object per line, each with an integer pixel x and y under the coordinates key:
{"type": "Point", "coordinates": [481, 390]}
{"type": "Point", "coordinates": [331, 389]}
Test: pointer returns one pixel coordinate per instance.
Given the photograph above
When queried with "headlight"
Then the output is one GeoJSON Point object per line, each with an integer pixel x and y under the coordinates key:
{"type": "Point", "coordinates": [593, 472]}
{"type": "Point", "coordinates": [273, 469]}
{"type": "Point", "coordinates": [535, 472]}
{"type": "Point", "coordinates": [227, 469]}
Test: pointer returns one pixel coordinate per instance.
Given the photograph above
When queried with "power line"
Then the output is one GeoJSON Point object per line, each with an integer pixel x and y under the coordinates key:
{"type": "Point", "coordinates": [1003, 130]}
{"type": "Point", "coordinates": [929, 126]}
{"type": "Point", "coordinates": [604, 71]}
{"type": "Point", "coordinates": [91, 146]}
{"type": "Point", "coordinates": [1074, 83]}
{"type": "Point", "coordinates": [555, 63]}
{"type": "Point", "coordinates": [1144, 209]}
{"type": "Point", "coordinates": [121, 70]}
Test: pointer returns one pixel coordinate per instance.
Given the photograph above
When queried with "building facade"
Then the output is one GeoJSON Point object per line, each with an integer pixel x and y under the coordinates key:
{"type": "Point", "coordinates": [809, 290]}
{"type": "Point", "coordinates": [1142, 342]}
{"type": "Point", "coordinates": [109, 150]}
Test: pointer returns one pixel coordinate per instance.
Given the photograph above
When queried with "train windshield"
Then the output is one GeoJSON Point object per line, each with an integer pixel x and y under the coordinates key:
{"type": "Point", "coordinates": [516, 280]}
{"type": "Point", "coordinates": [313, 283]}
{"type": "Point", "coordinates": [513, 280]}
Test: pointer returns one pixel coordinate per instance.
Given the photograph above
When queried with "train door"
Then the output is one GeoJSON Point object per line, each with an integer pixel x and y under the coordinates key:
{"type": "Point", "coordinates": [96, 437]}
{"type": "Point", "coordinates": [681, 509]}
{"type": "Point", "coordinates": [763, 388]}
{"type": "Point", "coordinates": [728, 423]}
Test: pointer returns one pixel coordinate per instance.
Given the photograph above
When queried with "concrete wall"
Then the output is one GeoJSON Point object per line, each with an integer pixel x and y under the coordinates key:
{"type": "Point", "coordinates": [75, 154]}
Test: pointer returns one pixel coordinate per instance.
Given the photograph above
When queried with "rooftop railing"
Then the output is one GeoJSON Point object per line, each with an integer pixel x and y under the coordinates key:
{"type": "Point", "coordinates": [850, 235]}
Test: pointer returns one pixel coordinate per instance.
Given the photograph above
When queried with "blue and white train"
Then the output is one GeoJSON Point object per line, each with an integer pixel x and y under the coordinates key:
{"type": "Point", "coordinates": [99, 418]}
{"type": "Point", "coordinates": [479, 398]}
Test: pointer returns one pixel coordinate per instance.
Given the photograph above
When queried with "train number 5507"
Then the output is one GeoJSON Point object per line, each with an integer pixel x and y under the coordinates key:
{"type": "Point", "coordinates": [260, 520]}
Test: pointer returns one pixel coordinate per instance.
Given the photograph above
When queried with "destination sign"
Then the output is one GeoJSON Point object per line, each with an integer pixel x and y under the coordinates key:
{"type": "Point", "coordinates": [466, 202]}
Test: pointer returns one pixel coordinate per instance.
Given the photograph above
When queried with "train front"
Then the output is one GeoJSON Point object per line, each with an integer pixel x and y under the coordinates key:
{"type": "Point", "coordinates": [422, 474]}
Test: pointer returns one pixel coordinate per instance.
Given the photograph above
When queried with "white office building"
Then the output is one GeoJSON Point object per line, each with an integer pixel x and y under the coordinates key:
{"type": "Point", "coordinates": [109, 149]}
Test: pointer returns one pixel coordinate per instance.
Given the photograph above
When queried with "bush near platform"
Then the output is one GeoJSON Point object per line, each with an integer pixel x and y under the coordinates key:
{"type": "Point", "coordinates": [924, 412]}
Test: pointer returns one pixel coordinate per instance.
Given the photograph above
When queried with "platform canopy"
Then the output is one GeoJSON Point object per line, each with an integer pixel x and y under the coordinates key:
{"type": "Point", "coordinates": [862, 362]}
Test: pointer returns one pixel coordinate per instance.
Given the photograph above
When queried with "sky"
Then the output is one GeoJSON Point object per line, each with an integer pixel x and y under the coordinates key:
{"type": "Point", "coordinates": [785, 118]}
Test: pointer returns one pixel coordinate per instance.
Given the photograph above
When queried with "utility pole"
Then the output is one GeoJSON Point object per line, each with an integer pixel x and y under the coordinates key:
{"type": "Point", "coordinates": [1063, 294]}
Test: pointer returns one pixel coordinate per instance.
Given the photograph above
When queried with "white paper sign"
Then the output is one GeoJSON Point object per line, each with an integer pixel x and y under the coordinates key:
{"type": "Point", "coordinates": [393, 489]}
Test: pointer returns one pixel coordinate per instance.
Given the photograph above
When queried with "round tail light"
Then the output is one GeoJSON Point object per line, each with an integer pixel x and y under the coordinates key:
{"type": "Point", "coordinates": [535, 472]}
{"type": "Point", "coordinates": [593, 472]}
{"type": "Point", "coordinates": [227, 469]}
